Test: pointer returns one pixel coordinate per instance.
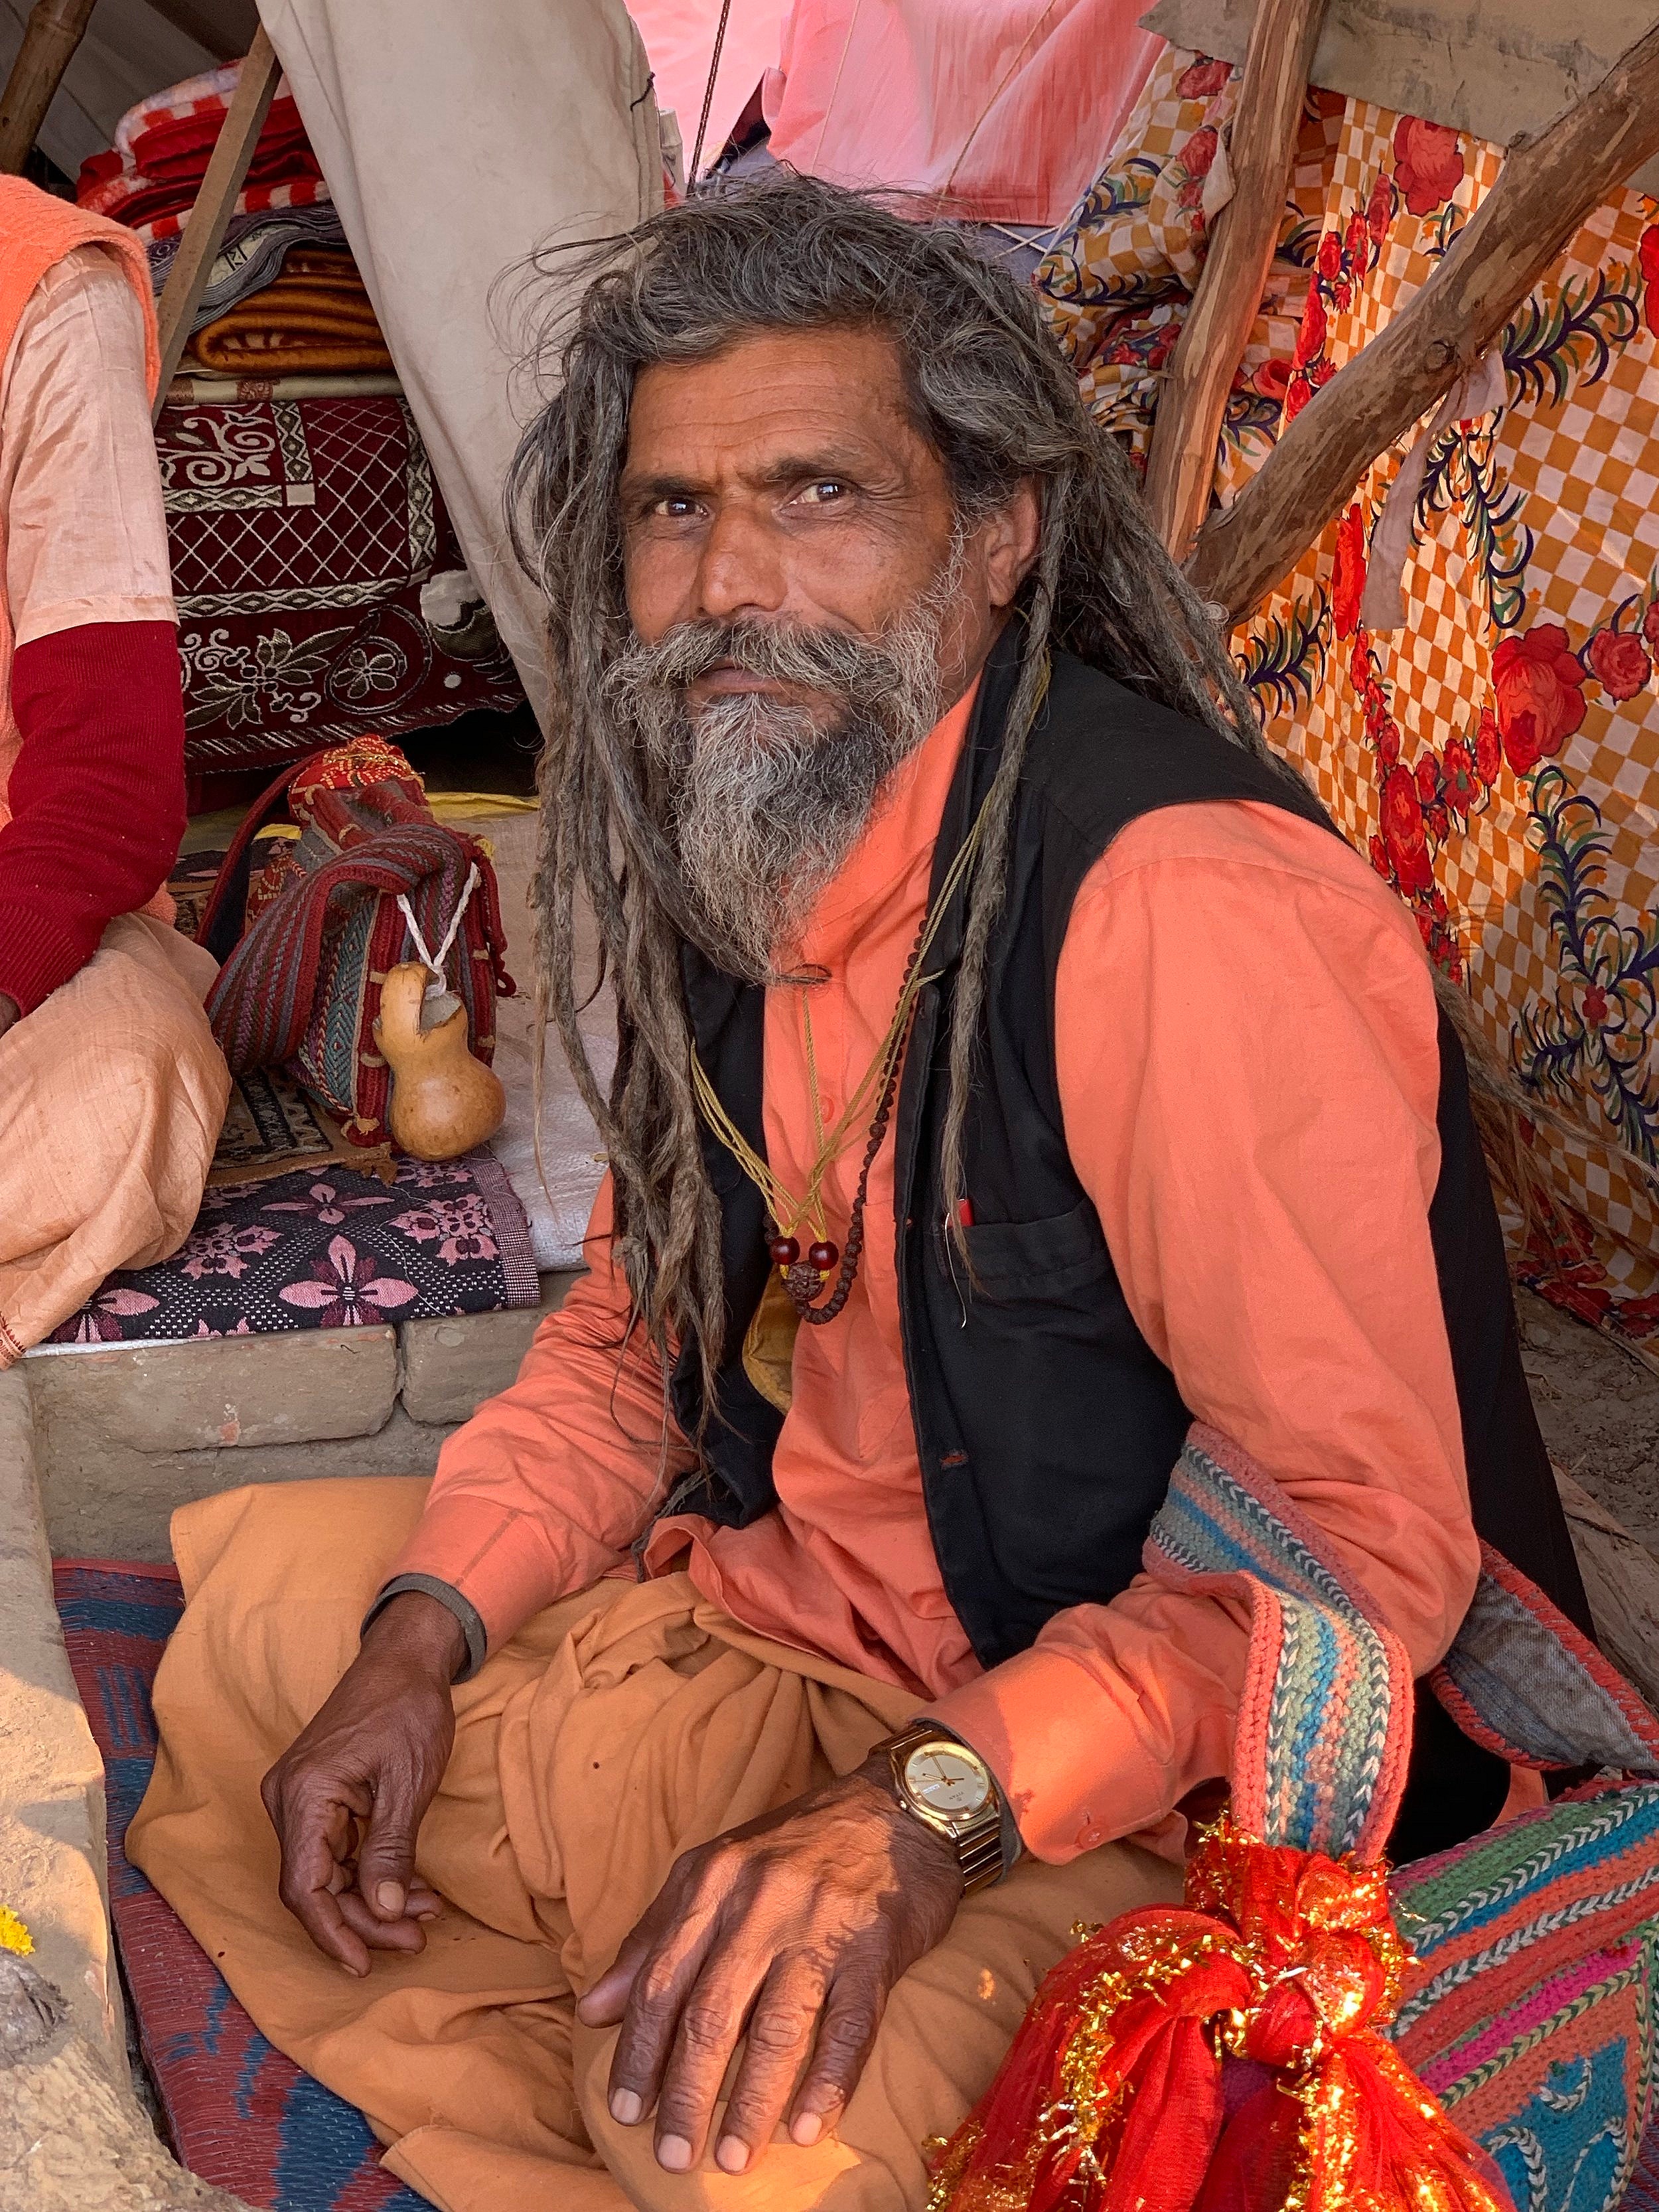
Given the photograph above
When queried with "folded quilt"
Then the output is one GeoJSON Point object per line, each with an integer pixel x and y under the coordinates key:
{"type": "Point", "coordinates": [252, 253]}
{"type": "Point", "coordinates": [315, 317]}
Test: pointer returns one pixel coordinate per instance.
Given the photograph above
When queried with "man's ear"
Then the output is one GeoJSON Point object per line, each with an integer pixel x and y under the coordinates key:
{"type": "Point", "coordinates": [1009, 539]}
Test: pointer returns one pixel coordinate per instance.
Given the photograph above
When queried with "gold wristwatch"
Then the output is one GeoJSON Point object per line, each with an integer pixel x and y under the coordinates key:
{"type": "Point", "coordinates": [951, 1789]}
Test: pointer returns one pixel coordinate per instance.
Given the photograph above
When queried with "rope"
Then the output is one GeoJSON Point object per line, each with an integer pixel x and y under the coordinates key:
{"type": "Point", "coordinates": [708, 96]}
{"type": "Point", "coordinates": [435, 967]}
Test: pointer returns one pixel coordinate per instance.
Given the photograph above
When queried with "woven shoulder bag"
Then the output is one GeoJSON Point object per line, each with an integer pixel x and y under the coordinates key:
{"type": "Point", "coordinates": [372, 879]}
{"type": "Point", "coordinates": [1311, 2031]}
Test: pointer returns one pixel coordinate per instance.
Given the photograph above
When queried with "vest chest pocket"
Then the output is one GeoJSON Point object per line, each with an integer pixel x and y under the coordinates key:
{"type": "Point", "coordinates": [1036, 1260]}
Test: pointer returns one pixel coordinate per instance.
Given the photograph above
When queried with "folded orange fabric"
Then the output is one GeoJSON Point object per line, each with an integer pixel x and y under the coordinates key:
{"type": "Point", "coordinates": [316, 318]}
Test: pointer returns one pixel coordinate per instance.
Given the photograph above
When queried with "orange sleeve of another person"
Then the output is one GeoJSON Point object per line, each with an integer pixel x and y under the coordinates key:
{"type": "Point", "coordinates": [545, 1489]}
{"type": "Point", "coordinates": [1248, 1072]}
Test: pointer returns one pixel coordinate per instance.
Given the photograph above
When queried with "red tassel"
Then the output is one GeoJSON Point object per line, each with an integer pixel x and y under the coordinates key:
{"type": "Point", "coordinates": [1113, 2095]}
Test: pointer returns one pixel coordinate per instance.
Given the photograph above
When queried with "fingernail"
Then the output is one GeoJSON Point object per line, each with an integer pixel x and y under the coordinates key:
{"type": "Point", "coordinates": [806, 2128]}
{"type": "Point", "coordinates": [626, 2107]}
{"type": "Point", "coordinates": [674, 2152]}
{"type": "Point", "coordinates": [389, 1899]}
{"type": "Point", "coordinates": [732, 2155]}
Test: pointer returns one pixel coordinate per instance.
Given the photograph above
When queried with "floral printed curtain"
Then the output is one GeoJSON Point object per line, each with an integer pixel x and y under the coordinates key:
{"type": "Point", "coordinates": [1497, 753]}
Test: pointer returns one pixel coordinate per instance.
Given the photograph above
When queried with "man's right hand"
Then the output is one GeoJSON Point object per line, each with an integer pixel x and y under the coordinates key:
{"type": "Point", "coordinates": [347, 1797]}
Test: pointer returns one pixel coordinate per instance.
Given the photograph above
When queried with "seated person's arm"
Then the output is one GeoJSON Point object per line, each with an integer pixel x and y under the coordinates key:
{"type": "Point", "coordinates": [540, 1494]}
{"type": "Point", "coordinates": [1250, 1075]}
{"type": "Point", "coordinates": [97, 792]}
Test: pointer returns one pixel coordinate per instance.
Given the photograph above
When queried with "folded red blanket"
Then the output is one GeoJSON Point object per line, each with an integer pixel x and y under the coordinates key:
{"type": "Point", "coordinates": [151, 175]}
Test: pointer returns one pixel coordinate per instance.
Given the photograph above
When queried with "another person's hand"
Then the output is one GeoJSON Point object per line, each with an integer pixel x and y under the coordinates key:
{"type": "Point", "coordinates": [809, 1917]}
{"type": "Point", "coordinates": [11, 1012]}
{"type": "Point", "coordinates": [347, 1797]}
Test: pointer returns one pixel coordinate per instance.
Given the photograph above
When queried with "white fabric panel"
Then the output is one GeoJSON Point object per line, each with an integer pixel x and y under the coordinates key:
{"type": "Point", "coordinates": [457, 141]}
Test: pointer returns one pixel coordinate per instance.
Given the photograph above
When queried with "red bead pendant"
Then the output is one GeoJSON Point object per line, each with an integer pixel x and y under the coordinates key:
{"type": "Point", "coordinates": [784, 1251]}
{"type": "Point", "coordinates": [824, 1257]}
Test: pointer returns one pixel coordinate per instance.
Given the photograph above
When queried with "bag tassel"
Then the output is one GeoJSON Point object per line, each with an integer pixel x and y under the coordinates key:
{"type": "Point", "coordinates": [1222, 2056]}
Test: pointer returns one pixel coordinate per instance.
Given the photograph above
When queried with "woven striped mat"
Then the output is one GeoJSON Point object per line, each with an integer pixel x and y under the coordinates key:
{"type": "Point", "coordinates": [239, 2114]}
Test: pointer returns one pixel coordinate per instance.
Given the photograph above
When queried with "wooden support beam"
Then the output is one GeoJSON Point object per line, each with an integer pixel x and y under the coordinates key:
{"type": "Point", "coordinates": [1549, 184]}
{"type": "Point", "coordinates": [1186, 431]}
{"type": "Point", "coordinates": [226, 167]}
{"type": "Point", "coordinates": [54, 28]}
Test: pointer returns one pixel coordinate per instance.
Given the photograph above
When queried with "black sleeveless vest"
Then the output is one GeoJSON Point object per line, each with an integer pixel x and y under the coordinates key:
{"type": "Point", "coordinates": [1046, 1425]}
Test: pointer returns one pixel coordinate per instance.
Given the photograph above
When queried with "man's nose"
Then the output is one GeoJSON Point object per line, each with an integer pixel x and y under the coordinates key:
{"type": "Point", "coordinates": [742, 574]}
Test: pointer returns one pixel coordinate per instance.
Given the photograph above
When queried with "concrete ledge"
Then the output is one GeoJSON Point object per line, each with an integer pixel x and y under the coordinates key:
{"type": "Point", "coordinates": [450, 1367]}
{"type": "Point", "coordinates": [126, 1433]}
{"type": "Point", "coordinates": [301, 1388]}
{"type": "Point", "coordinates": [53, 1872]}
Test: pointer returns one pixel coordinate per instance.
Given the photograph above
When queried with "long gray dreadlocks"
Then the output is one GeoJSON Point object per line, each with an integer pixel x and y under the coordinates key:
{"type": "Point", "coordinates": [990, 391]}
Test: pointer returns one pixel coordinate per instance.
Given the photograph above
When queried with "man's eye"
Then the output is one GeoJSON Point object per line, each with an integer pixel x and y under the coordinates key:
{"type": "Point", "coordinates": [825, 491]}
{"type": "Point", "coordinates": [677, 510]}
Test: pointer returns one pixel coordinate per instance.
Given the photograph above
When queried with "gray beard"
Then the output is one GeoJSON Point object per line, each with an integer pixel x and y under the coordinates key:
{"type": "Point", "coordinates": [760, 803]}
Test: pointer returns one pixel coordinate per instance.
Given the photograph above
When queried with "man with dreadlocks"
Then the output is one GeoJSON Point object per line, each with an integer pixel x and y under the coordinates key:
{"type": "Point", "coordinates": [1014, 1067]}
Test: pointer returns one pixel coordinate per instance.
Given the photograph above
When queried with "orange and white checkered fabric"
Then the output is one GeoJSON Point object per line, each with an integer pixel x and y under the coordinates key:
{"type": "Point", "coordinates": [1499, 754]}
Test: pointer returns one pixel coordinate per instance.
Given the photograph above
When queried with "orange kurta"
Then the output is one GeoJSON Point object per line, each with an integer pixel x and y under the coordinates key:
{"type": "Point", "coordinates": [1248, 1072]}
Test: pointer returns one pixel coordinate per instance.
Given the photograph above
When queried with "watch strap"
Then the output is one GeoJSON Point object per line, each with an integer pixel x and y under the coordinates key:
{"type": "Point", "coordinates": [980, 1849]}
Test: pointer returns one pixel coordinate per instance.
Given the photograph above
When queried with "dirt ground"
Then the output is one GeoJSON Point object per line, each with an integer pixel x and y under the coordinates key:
{"type": "Point", "coordinates": [1598, 1406]}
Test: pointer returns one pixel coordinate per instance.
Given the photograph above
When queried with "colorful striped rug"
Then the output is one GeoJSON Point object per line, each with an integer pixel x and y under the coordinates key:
{"type": "Point", "coordinates": [239, 2114]}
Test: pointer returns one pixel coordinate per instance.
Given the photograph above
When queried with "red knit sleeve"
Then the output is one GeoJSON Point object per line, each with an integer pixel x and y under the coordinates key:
{"type": "Point", "coordinates": [97, 795]}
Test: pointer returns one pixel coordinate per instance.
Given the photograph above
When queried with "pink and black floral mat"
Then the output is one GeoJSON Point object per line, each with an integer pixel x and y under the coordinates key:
{"type": "Point", "coordinates": [326, 1248]}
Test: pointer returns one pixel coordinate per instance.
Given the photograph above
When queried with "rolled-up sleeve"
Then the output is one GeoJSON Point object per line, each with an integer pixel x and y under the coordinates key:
{"type": "Point", "coordinates": [546, 1488]}
{"type": "Point", "coordinates": [1249, 1069]}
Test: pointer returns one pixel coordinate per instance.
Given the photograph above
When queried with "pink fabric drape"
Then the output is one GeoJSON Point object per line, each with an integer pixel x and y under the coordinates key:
{"type": "Point", "coordinates": [1003, 108]}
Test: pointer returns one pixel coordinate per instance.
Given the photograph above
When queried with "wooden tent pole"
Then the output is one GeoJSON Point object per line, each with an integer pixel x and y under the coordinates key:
{"type": "Point", "coordinates": [1186, 430]}
{"type": "Point", "coordinates": [1549, 184]}
{"type": "Point", "coordinates": [226, 167]}
{"type": "Point", "coordinates": [54, 28]}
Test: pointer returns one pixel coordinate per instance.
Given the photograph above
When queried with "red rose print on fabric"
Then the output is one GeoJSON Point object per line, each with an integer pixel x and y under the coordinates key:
{"type": "Point", "coordinates": [1648, 254]}
{"type": "Point", "coordinates": [1619, 662]}
{"type": "Point", "coordinates": [1310, 338]}
{"type": "Point", "coordinates": [1348, 573]}
{"type": "Point", "coordinates": [1538, 683]}
{"type": "Point", "coordinates": [1379, 209]}
{"type": "Point", "coordinates": [1403, 832]}
{"type": "Point", "coordinates": [1428, 163]}
{"type": "Point", "coordinates": [1488, 748]}
{"type": "Point", "coordinates": [344, 1292]}
{"type": "Point", "coordinates": [1461, 786]}
{"type": "Point", "coordinates": [1204, 79]}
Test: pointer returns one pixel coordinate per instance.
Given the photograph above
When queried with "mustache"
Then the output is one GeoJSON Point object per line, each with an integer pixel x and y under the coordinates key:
{"type": "Point", "coordinates": [860, 676]}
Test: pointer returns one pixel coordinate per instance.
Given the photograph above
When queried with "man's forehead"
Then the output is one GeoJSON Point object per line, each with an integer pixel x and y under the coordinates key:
{"type": "Point", "coordinates": [777, 394]}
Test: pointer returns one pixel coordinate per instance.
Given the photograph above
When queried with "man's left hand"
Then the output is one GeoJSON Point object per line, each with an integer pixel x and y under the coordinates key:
{"type": "Point", "coordinates": [816, 1910]}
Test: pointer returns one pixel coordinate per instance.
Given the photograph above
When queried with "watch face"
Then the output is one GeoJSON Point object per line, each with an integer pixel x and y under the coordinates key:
{"type": "Point", "coordinates": [947, 1780]}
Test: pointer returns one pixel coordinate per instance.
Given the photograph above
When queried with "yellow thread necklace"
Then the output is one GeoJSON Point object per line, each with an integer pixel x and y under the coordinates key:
{"type": "Point", "coordinates": [804, 1279]}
